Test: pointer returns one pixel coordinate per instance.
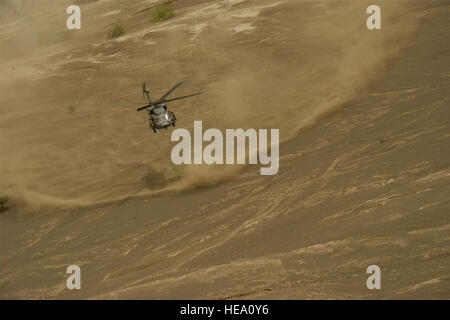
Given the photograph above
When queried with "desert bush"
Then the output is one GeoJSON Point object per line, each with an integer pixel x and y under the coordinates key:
{"type": "Point", "coordinates": [162, 12]}
{"type": "Point", "coordinates": [3, 201]}
{"type": "Point", "coordinates": [116, 31]}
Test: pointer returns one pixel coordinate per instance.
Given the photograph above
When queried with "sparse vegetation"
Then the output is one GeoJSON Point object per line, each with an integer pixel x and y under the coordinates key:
{"type": "Point", "coordinates": [162, 12]}
{"type": "Point", "coordinates": [116, 31]}
{"type": "Point", "coordinates": [71, 108]}
{"type": "Point", "coordinates": [3, 201]}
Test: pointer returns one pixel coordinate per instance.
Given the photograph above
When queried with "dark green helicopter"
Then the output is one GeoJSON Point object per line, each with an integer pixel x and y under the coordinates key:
{"type": "Point", "coordinates": [159, 117]}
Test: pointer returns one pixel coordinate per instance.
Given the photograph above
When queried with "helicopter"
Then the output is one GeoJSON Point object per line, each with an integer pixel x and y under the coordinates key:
{"type": "Point", "coordinates": [159, 117]}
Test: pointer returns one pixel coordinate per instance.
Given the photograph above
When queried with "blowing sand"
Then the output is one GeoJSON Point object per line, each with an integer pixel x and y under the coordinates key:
{"type": "Point", "coordinates": [364, 170]}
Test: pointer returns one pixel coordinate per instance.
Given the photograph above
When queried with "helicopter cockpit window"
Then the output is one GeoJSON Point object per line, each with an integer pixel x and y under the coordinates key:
{"type": "Point", "coordinates": [158, 110]}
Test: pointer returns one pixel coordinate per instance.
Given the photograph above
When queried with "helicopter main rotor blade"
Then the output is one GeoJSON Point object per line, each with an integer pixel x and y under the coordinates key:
{"type": "Point", "coordinates": [144, 107]}
{"type": "Point", "coordinates": [184, 97]}
{"type": "Point", "coordinates": [170, 91]}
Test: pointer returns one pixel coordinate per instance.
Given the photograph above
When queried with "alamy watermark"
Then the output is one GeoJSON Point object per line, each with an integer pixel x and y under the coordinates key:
{"type": "Point", "coordinates": [74, 280]}
{"type": "Point", "coordinates": [235, 142]}
{"type": "Point", "coordinates": [374, 280]}
{"type": "Point", "coordinates": [73, 22]}
{"type": "Point", "coordinates": [374, 20]}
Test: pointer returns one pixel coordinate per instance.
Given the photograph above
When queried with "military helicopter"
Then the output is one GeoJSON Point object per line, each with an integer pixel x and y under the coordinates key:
{"type": "Point", "coordinates": [159, 117]}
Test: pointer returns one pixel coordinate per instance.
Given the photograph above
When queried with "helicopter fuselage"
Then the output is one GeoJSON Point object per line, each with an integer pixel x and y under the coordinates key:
{"type": "Point", "coordinates": [160, 117]}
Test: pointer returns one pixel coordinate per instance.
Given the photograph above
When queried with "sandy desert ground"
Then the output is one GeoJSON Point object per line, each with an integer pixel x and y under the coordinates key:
{"type": "Point", "coordinates": [364, 173]}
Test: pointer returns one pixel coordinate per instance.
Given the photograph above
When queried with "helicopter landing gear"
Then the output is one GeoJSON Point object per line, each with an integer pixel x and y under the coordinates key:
{"type": "Point", "coordinates": [174, 119]}
{"type": "Point", "coordinates": [155, 130]}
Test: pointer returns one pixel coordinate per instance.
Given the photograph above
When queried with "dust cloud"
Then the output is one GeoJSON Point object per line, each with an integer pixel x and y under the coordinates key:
{"type": "Point", "coordinates": [70, 135]}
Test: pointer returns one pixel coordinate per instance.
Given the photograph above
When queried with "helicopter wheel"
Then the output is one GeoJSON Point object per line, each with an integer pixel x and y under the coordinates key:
{"type": "Point", "coordinates": [154, 130]}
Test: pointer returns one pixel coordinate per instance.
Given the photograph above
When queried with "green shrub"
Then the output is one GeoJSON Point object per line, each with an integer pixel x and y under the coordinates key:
{"type": "Point", "coordinates": [71, 108]}
{"type": "Point", "coordinates": [3, 201]}
{"type": "Point", "coordinates": [116, 31]}
{"type": "Point", "coordinates": [162, 12]}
